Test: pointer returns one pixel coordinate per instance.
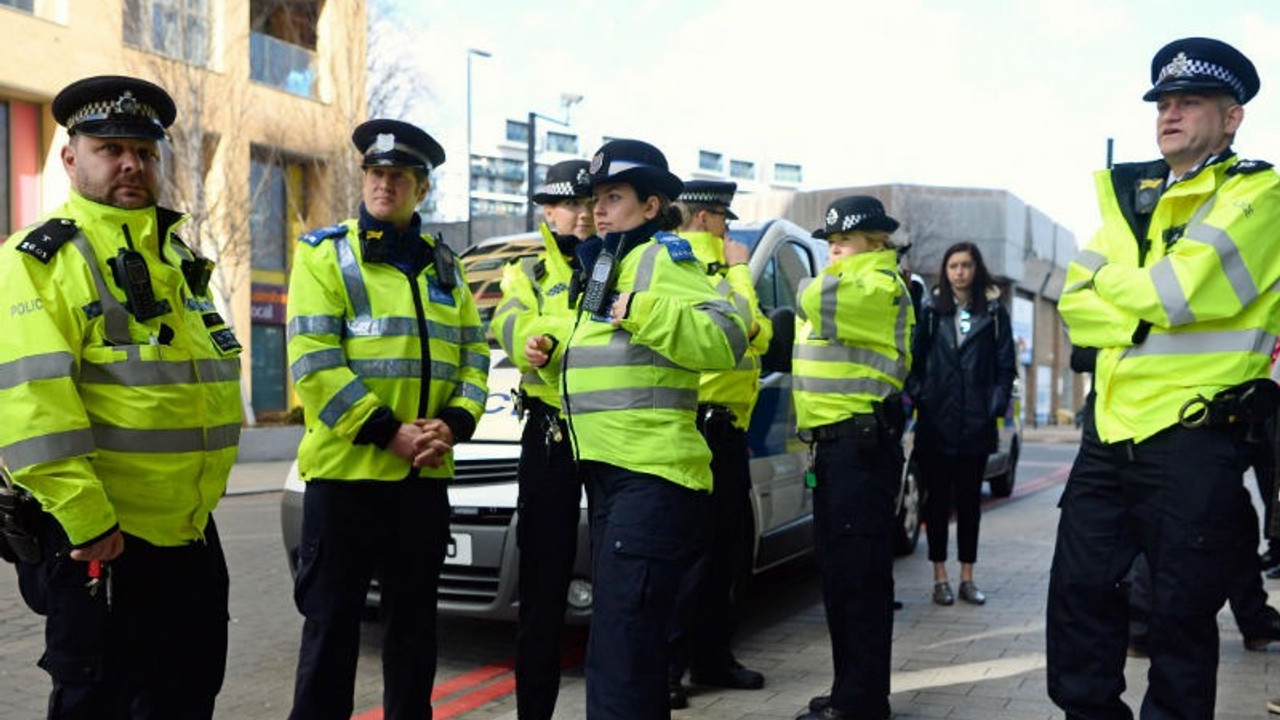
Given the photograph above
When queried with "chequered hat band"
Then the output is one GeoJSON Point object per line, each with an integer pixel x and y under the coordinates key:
{"type": "Point", "coordinates": [708, 198]}
{"type": "Point", "coordinates": [564, 188]}
{"type": "Point", "coordinates": [1183, 67]}
{"type": "Point", "coordinates": [112, 109]}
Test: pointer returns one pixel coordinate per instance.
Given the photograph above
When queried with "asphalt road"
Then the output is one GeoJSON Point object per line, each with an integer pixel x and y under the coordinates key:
{"type": "Point", "coordinates": [475, 657]}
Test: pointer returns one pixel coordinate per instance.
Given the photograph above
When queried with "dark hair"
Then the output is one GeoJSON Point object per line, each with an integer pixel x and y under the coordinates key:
{"type": "Point", "coordinates": [669, 216]}
{"type": "Point", "coordinates": [944, 299]}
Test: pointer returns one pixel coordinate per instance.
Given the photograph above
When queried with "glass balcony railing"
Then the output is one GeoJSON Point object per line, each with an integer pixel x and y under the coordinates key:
{"type": "Point", "coordinates": [282, 65]}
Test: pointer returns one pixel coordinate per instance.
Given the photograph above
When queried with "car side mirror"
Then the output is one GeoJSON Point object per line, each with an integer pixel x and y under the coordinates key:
{"type": "Point", "coordinates": [778, 357]}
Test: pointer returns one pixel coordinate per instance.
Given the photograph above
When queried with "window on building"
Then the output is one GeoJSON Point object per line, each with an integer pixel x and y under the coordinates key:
{"type": "Point", "coordinates": [517, 131]}
{"type": "Point", "coordinates": [278, 190]}
{"type": "Point", "coordinates": [562, 143]}
{"type": "Point", "coordinates": [282, 43]}
{"type": "Point", "coordinates": [712, 161]}
{"type": "Point", "coordinates": [787, 173]}
{"type": "Point", "coordinates": [27, 5]}
{"type": "Point", "coordinates": [19, 165]}
{"type": "Point", "coordinates": [742, 169]}
{"type": "Point", "coordinates": [174, 28]}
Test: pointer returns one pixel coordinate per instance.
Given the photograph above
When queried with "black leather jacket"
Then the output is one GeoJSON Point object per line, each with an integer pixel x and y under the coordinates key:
{"type": "Point", "coordinates": [959, 391]}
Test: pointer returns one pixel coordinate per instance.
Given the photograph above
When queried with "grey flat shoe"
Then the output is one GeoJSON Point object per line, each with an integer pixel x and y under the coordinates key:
{"type": "Point", "coordinates": [971, 594]}
{"type": "Point", "coordinates": [942, 593]}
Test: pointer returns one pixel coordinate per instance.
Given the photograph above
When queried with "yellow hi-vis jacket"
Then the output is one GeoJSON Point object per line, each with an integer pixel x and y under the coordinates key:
{"type": "Point", "coordinates": [631, 392]}
{"type": "Point", "coordinates": [735, 389]}
{"type": "Point", "coordinates": [108, 421]}
{"type": "Point", "coordinates": [853, 338]}
{"type": "Point", "coordinates": [535, 301]}
{"type": "Point", "coordinates": [363, 335]}
{"type": "Point", "coordinates": [1198, 313]}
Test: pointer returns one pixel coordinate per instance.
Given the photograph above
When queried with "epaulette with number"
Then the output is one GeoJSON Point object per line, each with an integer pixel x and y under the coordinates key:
{"type": "Point", "coordinates": [677, 247]}
{"type": "Point", "coordinates": [319, 235]}
{"type": "Point", "coordinates": [43, 242]}
{"type": "Point", "coordinates": [1248, 167]}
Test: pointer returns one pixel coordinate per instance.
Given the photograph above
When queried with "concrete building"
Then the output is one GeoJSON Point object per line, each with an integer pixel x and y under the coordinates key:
{"type": "Point", "coordinates": [267, 92]}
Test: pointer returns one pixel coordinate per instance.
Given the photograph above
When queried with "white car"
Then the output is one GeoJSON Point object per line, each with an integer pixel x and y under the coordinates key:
{"type": "Point", "coordinates": [480, 574]}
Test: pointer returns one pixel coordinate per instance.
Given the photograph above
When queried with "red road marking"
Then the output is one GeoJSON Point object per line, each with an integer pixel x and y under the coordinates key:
{"type": "Point", "coordinates": [485, 684]}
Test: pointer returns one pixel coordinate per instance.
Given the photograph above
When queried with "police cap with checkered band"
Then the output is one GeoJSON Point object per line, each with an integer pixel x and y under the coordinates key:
{"type": "Point", "coordinates": [717, 193]}
{"type": "Point", "coordinates": [637, 163]}
{"type": "Point", "coordinates": [565, 180]}
{"type": "Point", "coordinates": [852, 213]}
{"type": "Point", "coordinates": [114, 106]}
{"type": "Point", "coordinates": [1202, 65]}
{"type": "Point", "coordinates": [394, 143]}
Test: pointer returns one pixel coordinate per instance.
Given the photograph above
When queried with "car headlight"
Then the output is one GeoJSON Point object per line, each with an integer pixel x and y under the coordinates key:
{"type": "Point", "coordinates": [580, 594]}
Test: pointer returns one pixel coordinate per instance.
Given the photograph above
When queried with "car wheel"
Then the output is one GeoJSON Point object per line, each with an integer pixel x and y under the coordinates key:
{"type": "Point", "coordinates": [909, 511]}
{"type": "Point", "coordinates": [1002, 484]}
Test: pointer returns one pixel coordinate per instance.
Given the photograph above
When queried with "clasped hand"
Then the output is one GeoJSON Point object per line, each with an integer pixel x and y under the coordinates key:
{"type": "Point", "coordinates": [423, 443]}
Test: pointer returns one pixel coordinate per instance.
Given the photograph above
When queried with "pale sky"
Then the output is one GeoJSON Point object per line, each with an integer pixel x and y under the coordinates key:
{"type": "Point", "coordinates": [1017, 94]}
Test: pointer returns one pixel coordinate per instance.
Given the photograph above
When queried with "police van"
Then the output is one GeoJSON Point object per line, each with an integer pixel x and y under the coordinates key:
{"type": "Point", "coordinates": [480, 573]}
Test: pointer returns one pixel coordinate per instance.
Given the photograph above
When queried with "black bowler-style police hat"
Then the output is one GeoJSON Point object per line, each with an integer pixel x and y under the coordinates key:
{"type": "Point", "coordinates": [565, 180]}
{"type": "Point", "coordinates": [710, 192]}
{"type": "Point", "coordinates": [114, 106]}
{"type": "Point", "coordinates": [1202, 64]}
{"type": "Point", "coordinates": [393, 143]}
{"type": "Point", "coordinates": [855, 212]}
{"type": "Point", "coordinates": [636, 163]}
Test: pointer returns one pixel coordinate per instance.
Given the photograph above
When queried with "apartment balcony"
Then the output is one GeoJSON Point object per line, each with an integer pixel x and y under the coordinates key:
{"type": "Point", "coordinates": [282, 65]}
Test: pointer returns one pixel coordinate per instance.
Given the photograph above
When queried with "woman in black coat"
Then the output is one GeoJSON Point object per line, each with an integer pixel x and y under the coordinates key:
{"type": "Point", "coordinates": [961, 382]}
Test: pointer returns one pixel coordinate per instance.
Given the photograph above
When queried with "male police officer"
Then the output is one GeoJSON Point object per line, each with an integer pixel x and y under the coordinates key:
{"type": "Point", "coordinates": [851, 356]}
{"type": "Point", "coordinates": [120, 387]}
{"type": "Point", "coordinates": [702, 629]}
{"type": "Point", "coordinates": [536, 300]}
{"type": "Point", "coordinates": [390, 361]}
{"type": "Point", "coordinates": [1178, 293]}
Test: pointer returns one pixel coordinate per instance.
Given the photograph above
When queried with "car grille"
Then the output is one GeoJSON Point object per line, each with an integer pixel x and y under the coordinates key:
{"type": "Point", "coordinates": [468, 585]}
{"type": "Point", "coordinates": [485, 472]}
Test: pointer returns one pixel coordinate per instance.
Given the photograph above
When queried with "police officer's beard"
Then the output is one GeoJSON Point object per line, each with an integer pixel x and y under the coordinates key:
{"type": "Point", "coordinates": [111, 193]}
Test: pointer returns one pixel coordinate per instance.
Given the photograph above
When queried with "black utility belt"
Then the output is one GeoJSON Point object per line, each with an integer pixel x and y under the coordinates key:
{"type": "Point", "coordinates": [709, 413]}
{"type": "Point", "coordinates": [863, 428]}
{"type": "Point", "coordinates": [533, 405]}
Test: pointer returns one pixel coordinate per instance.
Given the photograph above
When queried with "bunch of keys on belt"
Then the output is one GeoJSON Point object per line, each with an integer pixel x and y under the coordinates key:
{"type": "Point", "coordinates": [554, 434]}
{"type": "Point", "coordinates": [97, 569]}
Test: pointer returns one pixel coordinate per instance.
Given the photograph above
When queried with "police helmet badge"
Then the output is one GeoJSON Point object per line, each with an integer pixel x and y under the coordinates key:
{"type": "Point", "coordinates": [582, 178]}
{"type": "Point", "coordinates": [832, 216]}
{"type": "Point", "coordinates": [385, 142]}
{"type": "Point", "coordinates": [1179, 66]}
{"type": "Point", "coordinates": [597, 162]}
{"type": "Point", "coordinates": [126, 104]}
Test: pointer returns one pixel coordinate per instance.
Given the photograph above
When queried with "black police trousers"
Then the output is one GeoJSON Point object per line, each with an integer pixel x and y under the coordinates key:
{"type": "Point", "coordinates": [1176, 498]}
{"type": "Point", "coordinates": [547, 535]}
{"type": "Point", "coordinates": [158, 651]}
{"type": "Point", "coordinates": [702, 628]}
{"type": "Point", "coordinates": [644, 531]}
{"type": "Point", "coordinates": [854, 519]}
{"type": "Point", "coordinates": [352, 531]}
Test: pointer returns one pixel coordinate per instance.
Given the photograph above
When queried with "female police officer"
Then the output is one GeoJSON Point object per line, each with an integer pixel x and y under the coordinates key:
{"type": "Point", "coordinates": [649, 322]}
{"type": "Point", "coordinates": [851, 357]}
{"type": "Point", "coordinates": [535, 300]}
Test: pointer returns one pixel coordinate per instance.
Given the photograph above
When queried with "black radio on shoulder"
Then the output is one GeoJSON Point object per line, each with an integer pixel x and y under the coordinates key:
{"type": "Point", "coordinates": [599, 293]}
{"type": "Point", "coordinates": [446, 271]}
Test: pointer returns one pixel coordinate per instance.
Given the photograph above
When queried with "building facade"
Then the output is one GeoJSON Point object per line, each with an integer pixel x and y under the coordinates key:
{"type": "Point", "coordinates": [267, 92]}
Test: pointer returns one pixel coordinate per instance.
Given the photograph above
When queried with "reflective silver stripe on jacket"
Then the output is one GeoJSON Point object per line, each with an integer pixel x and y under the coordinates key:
{"type": "Point", "coordinates": [1202, 343]}
{"type": "Point", "coordinates": [341, 402]}
{"type": "Point", "coordinates": [722, 314]}
{"type": "Point", "coordinates": [509, 334]}
{"type": "Point", "coordinates": [529, 266]}
{"type": "Point", "coordinates": [644, 273]}
{"type": "Point", "coordinates": [48, 448]}
{"type": "Point", "coordinates": [642, 398]}
{"type": "Point", "coordinates": [619, 352]}
{"type": "Point", "coordinates": [514, 303]}
{"type": "Point", "coordinates": [850, 354]}
{"type": "Point", "coordinates": [1233, 265]}
{"type": "Point", "coordinates": [382, 327]}
{"type": "Point", "coordinates": [315, 325]}
{"type": "Point", "coordinates": [167, 440]}
{"type": "Point", "coordinates": [827, 306]}
{"type": "Point", "coordinates": [159, 372]}
{"type": "Point", "coordinates": [531, 378]}
{"type": "Point", "coordinates": [316, 361]}
{"type": "Point", "coordinates": [471, 392]}
{"type": "Point", "coordinates": [474, 360]}
{"type": "Point", "coordinates": [1169, 290]}
{"type": "Point", "coordinates": [46, 366]}
{"type": "Point", "coordinates": [352, 278]}
{"type": "Point", "coordinates": [804, 283]}
{"type": "Point", "coordinates": [845, 386]}
{"type": "Point", "coordinates": [114, 316]}
{"type": "Point", "coordinates": [1091, 261]}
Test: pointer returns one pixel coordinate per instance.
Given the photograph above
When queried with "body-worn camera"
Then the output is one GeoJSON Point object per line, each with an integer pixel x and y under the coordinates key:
{"type": "Point", "coordinates": [19, 515]}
